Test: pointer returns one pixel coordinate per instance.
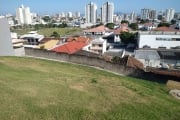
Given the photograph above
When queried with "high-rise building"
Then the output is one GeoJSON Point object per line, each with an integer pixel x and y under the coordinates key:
{"type": "Point", "coordinates": [23, 15]}
{"type": "Point", "coordinates": [169, 14]}
{"type": "Point", "coordinates": [145, 13]}
{"type": "Point", "coordinates": [69, 15]}
{"type": "Point", "coordinates": [63, 15]}
{"type": "Point", "coordinates": [152, 14]}
{"type": "Point", "coordinates": [91, 13]}
{"type": "Point", "coordinates": [132, 17]}
{"type": "Point", "coordinates": [177, 16]}
{"type": "Point", "coordinates": [107, 12]}
{"type": "Point", "coordinates": [77, 14]}
{"type": "Point", "coordinates": [160, 15]}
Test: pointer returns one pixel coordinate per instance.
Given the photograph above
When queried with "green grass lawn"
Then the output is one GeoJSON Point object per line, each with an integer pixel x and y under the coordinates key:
{"type": "Point", "coordinates": [32, 89]}
{"type": "Point", "coordinates": [61, 31]}
{"type": "Point", "coordinates": [48, 31]}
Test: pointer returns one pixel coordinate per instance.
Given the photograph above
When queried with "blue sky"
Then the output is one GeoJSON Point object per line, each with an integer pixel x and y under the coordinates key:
{"type": "Point", "coordinates": [56, 6]}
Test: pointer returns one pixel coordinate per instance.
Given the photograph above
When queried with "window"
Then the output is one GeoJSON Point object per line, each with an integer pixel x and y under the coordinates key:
{"type": "Point", "coordinates": [100, 45]}
{"type": "Point", "coordinates": [162, 47]}
{"type": "Point", "coordinates": [146, 46]}
{"type": "Point", "coordinates": [177, 39]}
{"type": "Point", "coordinates": [36, 40]}
{"type": "Point", "coordinates": [168, 39]}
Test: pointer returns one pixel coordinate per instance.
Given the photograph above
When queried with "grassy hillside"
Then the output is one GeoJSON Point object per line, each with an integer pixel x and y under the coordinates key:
{"type": "Point", "coordinates": [32, 89]}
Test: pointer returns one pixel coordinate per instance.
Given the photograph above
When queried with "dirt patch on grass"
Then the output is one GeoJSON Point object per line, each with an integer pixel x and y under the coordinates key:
{"type": "Point", "coordinates": [78, 87]}
{"type": "Point", "coordinates": [173, 84]}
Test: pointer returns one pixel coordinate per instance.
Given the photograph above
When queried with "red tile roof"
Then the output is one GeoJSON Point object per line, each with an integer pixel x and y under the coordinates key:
{"type": "Point", "coordinates": [123, 28]}
{"type": "Point", "coordinates": [79, 39]}
{"type": "Point", "coordinates": [149, 24]}
{"type": "Point", "coordinates": [166, 29]}
{"type": "Point", "coordinates": [70, 47]}
{"type": "Point", "coordinates": [101, 28]}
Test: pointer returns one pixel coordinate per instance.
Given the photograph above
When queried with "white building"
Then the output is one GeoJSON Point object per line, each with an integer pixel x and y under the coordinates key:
{"type": "Point", "coordinates": [156, 39]}
{"type": "Point", "coordinates": [32, 38]}
{"type": "Point", "coordinates": [98, 45]}
{"type": "Point", "coordinates": [91, 13]}
{"type": "Point", "coordinates": [107, 12]}
{"type": "Point", "coordinates": [69, 15]}
{"type": "Point", "coordinates": [169, 14]}
{"type": "Point", "coordinates": [63, 15]}
{"type": "Point", "coordinates": [23, 15]}
{"type": "Point", "coordinates": [145, 13]}
{"type": "Point", "coordinates": [152, 14]}
{"type": "Point", "coordinates": [132, 17]}
{"type": "Point", "coordinates": [77, 14]}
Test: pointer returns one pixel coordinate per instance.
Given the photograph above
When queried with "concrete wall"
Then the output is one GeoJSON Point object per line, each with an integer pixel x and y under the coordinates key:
{"type": "Point", "coordinates": [6, 47]}
{"type": "Point", "coordinates": [81, 59]}
{"type": "Point", "coordinates": [134, 68]}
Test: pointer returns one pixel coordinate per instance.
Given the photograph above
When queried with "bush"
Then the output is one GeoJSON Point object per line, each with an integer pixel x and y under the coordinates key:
{"type": "Point", "coordinates": [163, 24]}
{"type": "Point", "coordinates": [133, 26]}
{"type": "Point", "coordinates": [110, 25]}
{"type": "Point", "coordinates": [42, 47]}
{"type": "Point", "coordinates": [55, 34]}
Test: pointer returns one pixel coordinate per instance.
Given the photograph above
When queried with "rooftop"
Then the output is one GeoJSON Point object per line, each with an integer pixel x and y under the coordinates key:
{"type": "Point", "coordinates": [147, 54]}
{"type": "Point", "coordinates": [98, 41]}
{"type": "Point", "coordinates": [70, 47]}
{"type": "Point", "coordinates": [101, 28]}
{"type": "Point", "coordinates": [37, 36]}
{"type": "Point", "coordinates": [170, 55]}
{"type": "Point", "coordinates": [160, 33]}
{"type": "Point", "coordinates": [78, 39]}
{"type": "Point", "coordinates": [50, 44]}
{"type": "Point", "coordinates": [170, 29]}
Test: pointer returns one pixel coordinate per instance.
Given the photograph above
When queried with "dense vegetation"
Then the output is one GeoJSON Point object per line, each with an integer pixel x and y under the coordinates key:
{"type": "Point", "coordinates": [110, 25]}
{"type": "Point", "coordinates": [133, 26]}
{"type": "Point", "coordinates": [163, 24]}
{"type": "Point", "coordinates": [33, 89]}
{"type": "Point", "coordinates": [127, 37]}
{"type": "Point", "coordinates": [124, 21]}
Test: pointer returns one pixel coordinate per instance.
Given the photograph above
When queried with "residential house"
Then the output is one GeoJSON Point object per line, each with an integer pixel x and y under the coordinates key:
{"type": "Point", "coordinates": [32, 38]}
{"type": "Point", "coordinates": [98, 45]}
{"type": "Point", "coordinates": [148, 57]}
{"type": "Point", "coordinates": [73, 45]}
{"type": "Point", "coordinates": [100, 30]}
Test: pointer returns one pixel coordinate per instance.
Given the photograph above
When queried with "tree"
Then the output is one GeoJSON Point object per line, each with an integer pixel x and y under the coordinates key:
{"type": "Point", "coordinates": [46, 18]}
{"type": "Point", "coordinates": [163, 24]}
{"type": "Point", "coordinates": [142, 21]}
{"type": "Point", "coordinates": [133, 26]}
{"type": "Point", "coordinates": [110, 25]}
{"type": "Point", "coordinates": [173, 22]}
{"type": "Point", "coordinates": [127, 37]}
{"type": "Point", "coordinates": [124, 21]}
{"type": "Point", "coordinates": [55, 34]}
